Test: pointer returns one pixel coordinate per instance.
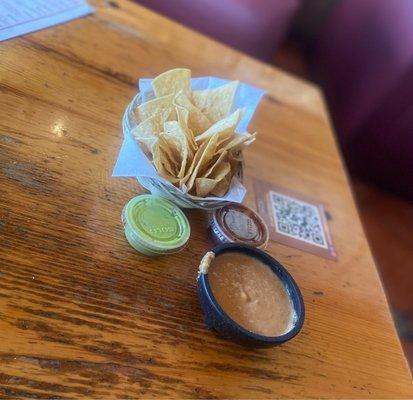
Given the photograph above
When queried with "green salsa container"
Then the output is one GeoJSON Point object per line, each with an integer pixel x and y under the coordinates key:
{"type": "Point", "coordinates": [154, 226]}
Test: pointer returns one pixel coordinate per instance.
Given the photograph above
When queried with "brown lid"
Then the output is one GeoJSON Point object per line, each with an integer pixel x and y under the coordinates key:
{"type": "Point", "coordinates": [237, 223]}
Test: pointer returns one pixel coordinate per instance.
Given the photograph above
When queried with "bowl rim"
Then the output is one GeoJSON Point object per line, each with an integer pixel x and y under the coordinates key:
{"type": "Point", "coordinates": [282, 274]}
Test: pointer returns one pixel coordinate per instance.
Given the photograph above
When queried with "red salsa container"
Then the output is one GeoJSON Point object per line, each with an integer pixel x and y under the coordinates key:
{"type": "Point", "coordinates": [235, 223]}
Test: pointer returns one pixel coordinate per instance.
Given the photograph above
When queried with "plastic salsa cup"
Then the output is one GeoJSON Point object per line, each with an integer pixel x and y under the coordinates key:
{"type": "Point", "coordinates": [155, 226]}
{"type": "Point", "coordinates": [236, 223]}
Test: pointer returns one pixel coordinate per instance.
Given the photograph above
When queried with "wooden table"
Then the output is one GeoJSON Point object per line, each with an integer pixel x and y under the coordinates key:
{"type": "Point", "coordinates": [83, 314]}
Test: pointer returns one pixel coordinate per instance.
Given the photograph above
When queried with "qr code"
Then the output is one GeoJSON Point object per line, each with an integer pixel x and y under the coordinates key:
{"type": "Point", "coordinates": [298, 219]}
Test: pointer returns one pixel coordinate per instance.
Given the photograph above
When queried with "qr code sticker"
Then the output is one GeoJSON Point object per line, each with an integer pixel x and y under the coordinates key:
{"type": "Point", "coordinates": [298, 219]}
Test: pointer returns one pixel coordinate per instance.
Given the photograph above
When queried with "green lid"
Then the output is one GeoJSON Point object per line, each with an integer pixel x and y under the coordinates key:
{"type": "Point", "coordinates": [154, 225]}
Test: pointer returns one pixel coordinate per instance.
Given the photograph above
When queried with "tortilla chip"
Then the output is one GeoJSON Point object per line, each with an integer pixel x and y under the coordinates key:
{"type": "Point", "coordinates": [221, 187]}
{"type": "Point", "coordinates": [161, 105]}
{"type": "Point", "coordinates": [197, 121]}
{"type": "Point", "coordinates": [204, 186]}
{"type": "Point", "coordinates": [215, 103]}
{"type": "Point", "coordinates": [161, 161]}
{"type": "Point", "coordinates": [222, 142]}
{"type": "Point", "coordinates": [206, 157]}
{"type": "Point", "coordinates": [145, 141]}
{"type": "Point", "coordinates": [183, 117]}
{"type": "Point", "coordinates": [237, 141]}
{"type": "Point", "coordinates": [171, 148]}
{"type": "Point", "coordinates": [147, 132]}
{"type": "Point", "coordinates": [174, 132]}
{"type": "Point", "coordinates": [195, 160]}
{"type": "Point", "coordinates": [214, 164]}
{"type": "Point", "coordinates": [172, 81]}
{"type": "Point", "coordinates": [225, 127]}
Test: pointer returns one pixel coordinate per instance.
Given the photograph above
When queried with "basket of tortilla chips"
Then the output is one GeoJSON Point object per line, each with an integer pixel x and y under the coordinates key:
{"type": "Point", "coordinates": [191, 138]}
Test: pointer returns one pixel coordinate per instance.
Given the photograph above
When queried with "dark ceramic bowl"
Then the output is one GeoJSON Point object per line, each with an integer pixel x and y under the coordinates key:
{"type": "Point", "coordinates": [216, 318]}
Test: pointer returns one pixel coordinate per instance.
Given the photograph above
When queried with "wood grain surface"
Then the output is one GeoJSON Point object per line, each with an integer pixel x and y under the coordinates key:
{"type": "Point", "coordinates": [82, 315]}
